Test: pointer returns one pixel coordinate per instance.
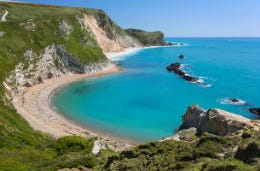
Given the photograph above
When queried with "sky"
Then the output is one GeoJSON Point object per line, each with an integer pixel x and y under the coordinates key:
{"type": "Point", "coordinates": [180, 18]}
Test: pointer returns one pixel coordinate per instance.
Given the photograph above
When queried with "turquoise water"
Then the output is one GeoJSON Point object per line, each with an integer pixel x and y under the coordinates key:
{"type": "Point", "coordinates": [146, 102]}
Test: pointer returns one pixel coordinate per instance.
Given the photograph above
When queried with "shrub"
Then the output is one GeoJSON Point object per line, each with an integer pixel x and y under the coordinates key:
{"type": "Point", "coordinates": [72, 144]}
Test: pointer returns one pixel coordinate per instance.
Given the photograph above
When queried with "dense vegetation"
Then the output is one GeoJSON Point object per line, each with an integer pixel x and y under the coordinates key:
{"type": "Point", "coordinates": [22, 148]}
{"type": "Point", "coordinates": [206, 152]}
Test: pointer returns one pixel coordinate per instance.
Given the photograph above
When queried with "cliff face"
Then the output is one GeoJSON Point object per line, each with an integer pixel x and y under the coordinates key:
{"type": "Point", "coordinates": [41, 42]}
{"type": "Point", "coordinates": [148, 38]}
{"type": "Point", "coordinates": [214, 121]}
{"type": "Point", "coordinates": [110, 37]}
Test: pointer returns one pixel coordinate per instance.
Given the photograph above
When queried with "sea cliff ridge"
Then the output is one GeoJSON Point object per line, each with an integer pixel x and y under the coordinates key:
{"type": "Point", "coordinates": [43, 47]}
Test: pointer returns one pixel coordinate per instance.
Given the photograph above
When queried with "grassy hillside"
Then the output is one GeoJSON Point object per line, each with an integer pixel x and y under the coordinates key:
{"type": "Point", "coordinates": [147, 38]}
{"type": "Point", "coordinates": [22, 148]}
{"type": "Point", "coordinates": [207, 152]}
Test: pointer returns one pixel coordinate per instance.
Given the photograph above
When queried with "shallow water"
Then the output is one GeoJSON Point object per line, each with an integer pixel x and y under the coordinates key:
{"type": "Point", "coordinates": [146, 102]}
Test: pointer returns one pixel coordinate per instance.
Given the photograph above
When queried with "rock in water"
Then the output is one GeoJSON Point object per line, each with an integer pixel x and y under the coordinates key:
{"type": "Point", "coordinates": [190, 78]}
{"type": "Point", "coordinates": [181, 57]}
{"type": "Point", "coordinates": [234, 100]}
{"type": "Point", "coordinates": [214, 121]}
{"type": "Point", "coordinates": [175, 67]}
{"type": "Point", "coordinates": [255, 110]}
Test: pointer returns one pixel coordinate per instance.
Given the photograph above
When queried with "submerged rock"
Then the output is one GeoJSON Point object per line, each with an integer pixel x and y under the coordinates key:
{"type": "Point", "coordinates": [215, 121]}
{"type": "Point", "coordinates": [255, 110]}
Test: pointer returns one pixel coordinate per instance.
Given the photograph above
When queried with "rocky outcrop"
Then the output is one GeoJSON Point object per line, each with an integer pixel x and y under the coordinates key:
{"type": "Point", "coordinates": [175, 67]}
{"type": "Point", "coordinates": [65, 29]}
{"type": "Point", "coordinates": [255, 111]}
{"type": "Point", "coordinates": [54, 62]}
{"type": "Point", "coordinates": [109, 36]}
{"type": "Point", "coordinates": [148, 38]}
{"type": "Point", "coordinates": [214, 121]}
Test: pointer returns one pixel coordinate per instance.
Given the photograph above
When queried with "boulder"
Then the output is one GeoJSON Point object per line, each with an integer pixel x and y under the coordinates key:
{"type": "Point", "coordinates": [214, 121]}
{"type": "Point", "coordinates": [49, 75]}
{"type": "Point", "coordinates": [27, 84]}
{"type": "Point", "coordinates": [39, 80]}
{"type": "Point", "coordinates": [255, 110]}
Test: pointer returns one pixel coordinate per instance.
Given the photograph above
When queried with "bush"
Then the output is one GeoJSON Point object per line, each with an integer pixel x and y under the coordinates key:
{"type": "Point", "coordinates": [72, 144]}
{"type": "Point", "coordinates": [249, 153]}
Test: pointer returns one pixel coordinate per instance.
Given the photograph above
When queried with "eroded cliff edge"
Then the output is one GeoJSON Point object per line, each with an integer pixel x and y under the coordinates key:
{"type": "Point", "coordinates": [46, 42]}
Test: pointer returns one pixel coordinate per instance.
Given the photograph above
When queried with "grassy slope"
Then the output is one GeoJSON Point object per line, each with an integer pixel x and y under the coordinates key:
{"type": "Point", "coordinates": [147, 38]}
{"type": "Point", "coordinates": [207, 152]}
{"type": "Point", "coordinates": [22, 148]}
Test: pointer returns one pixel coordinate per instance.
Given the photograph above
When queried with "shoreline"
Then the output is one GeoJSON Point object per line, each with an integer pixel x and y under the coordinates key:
{"type": "Point", "coordinates": [34, 104]}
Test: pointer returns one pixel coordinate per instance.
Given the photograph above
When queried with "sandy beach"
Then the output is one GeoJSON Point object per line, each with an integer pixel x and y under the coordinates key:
{"type": "Point", "coordinates": [34, 105]}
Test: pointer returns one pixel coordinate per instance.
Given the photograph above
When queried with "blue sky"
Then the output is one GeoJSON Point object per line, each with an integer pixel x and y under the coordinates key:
{"type": "Point", "coordinates": [196, 18]}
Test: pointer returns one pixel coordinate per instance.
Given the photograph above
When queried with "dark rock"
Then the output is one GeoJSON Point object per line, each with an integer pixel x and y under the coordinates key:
{"type": "Point", "coordinates": [248, 153]}
{"type": "Point", "coordinates": [70, 61]}
{"type": "Point", "coordinates": [27, 84]}
{"type": "Point", "coordinates": [175, 67]}
{"type": "Point", "coordinates": [181, 57]}
{"type": "Point", "coordinates": [49, 75]}
{"type": "Point", "coordinates": [255, 110]}
{"type": "Point", "coordinates": [39, 80]}
{"type": "Point", "coordinates": [28, 76]}
{"type": "Point", "coordinates": [234, 100]}
{"type": "Point", "coordinates": [214, 121]}
{"type": "Point", "coordinates": [190, 78]}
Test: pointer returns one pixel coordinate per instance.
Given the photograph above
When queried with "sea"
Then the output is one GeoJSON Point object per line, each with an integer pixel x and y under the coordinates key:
{"type": "Point", "coordinates": [146, 102]}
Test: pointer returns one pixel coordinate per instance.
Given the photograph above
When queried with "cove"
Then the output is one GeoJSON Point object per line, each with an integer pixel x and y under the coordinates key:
{"type": "Point", "coordinates": [145, 102]}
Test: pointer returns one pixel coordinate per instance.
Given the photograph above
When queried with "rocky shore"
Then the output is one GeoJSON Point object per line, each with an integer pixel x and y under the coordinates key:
{"type": "Point", "coordinates": [34, 105]}
{"type": "Point", "coordinates": [215, 121]}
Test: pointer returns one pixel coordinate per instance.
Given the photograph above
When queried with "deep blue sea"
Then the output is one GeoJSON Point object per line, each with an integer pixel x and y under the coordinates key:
{"type": "Point", "coordinates": [146, 102]}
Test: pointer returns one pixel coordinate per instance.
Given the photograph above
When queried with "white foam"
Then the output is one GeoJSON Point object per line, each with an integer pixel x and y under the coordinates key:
{"type": "Point", "coordinates": [184, 65]}
{"type": "Point", "coordinates": [200, 80]}
{"type": "Point", "coordinates": [205, 85]}
{"type": "Point", "coordinates": [178, 44]}
{"type": "Point", "coordinates": [227, 100]}
{"type": "Point", "coordinates": [117, 56]}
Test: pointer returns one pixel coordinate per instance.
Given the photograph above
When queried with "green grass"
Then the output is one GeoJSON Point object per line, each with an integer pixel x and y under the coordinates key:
{"type": "Point", "coordinates": [22, 148]}
{"type": "Point", "coordinates": [207, 152]}
{"type": "Point", "coordinates": [147, 38]}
